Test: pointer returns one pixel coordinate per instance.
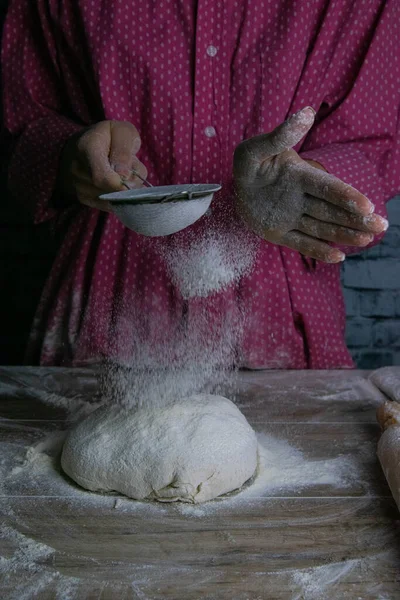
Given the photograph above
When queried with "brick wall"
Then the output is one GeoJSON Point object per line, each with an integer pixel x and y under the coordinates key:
{"type": "Point", "coordinates": [371, 283]}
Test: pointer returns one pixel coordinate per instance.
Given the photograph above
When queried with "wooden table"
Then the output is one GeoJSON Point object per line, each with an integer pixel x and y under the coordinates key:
{"type": "Point", "coordinates": [309, 541]}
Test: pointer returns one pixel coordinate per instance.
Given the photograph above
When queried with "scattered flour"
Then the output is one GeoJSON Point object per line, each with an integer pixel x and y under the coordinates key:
{"type": "Point", "coordinates": [282, 468]}
{"type": "Point", "coordinates": [76, 408]}
{"type": "Point", "coordinates": [315, 582]}
{"type": "Point", "coordinates": [28, 571]}
{"type": "Point", "coordinates": [342, 392]}
{"type": "Point", "coordinates": [322, 582]}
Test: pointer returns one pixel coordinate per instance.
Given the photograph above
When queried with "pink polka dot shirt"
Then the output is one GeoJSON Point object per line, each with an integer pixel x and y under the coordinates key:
{"type": "Point", "coordinates": [196, 78]}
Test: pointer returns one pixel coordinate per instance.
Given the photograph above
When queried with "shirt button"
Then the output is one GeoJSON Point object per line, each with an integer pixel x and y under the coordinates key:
{"type": "Point", "coordinates": [210, 131]}
{"type": "Point", "coordinates": [211, 51]}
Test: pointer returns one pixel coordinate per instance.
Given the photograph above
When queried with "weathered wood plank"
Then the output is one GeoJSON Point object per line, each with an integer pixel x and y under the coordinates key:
{"type": "Point", "coordinates": [35, 392]}
{"type": "Point", "coordinates": [275, 548]}
{"type": "Point", "coordinates": [299, 396]}
{"type": "Point", "coordinates": [308, 396]}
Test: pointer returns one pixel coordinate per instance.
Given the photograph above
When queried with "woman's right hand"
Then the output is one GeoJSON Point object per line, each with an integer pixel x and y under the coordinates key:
{"type": "Point", "coordinates": [98, 160]}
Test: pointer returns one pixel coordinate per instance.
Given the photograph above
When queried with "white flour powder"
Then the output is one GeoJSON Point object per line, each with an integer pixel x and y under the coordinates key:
{"type": "Point", "coordinates": [193, 359]}
{"type": "Point", "coordinates": [30, 565]}
{"type": "Point", "coordinates": [207, 265]}
{"type": "Point", "coordinates": [282, 469]}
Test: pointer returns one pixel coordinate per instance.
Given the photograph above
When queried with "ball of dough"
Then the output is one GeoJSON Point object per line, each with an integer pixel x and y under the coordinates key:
{"type": "Point", "coordinates": [192, 450]}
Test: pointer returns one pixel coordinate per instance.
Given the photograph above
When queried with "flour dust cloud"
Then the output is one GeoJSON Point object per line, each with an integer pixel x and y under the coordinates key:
{"type": "Point", "coordinates": [194, 350]}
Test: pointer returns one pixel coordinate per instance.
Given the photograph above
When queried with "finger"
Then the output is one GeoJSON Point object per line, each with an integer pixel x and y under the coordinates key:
{"type": "Point", "coordinates": [94, 149]}
{"type": "Point", "coordinates": [285, 136]}
{"type": "Point", "coordinates": [309, 246]}
{"type": "Point", "coordinates": [110, 181]}
{"type": "Point", "coordinates": [89, 196]}
{"type": "Point", "coordinates": [125, 143]}
{"type": "Point", "coordinates": [82, 174]}
{"type": "Point", "coordinates": [328, 187]}
{"type": "Point", "coordinates": [137, 173]}
{"type": "Point", "coordinates": [334, 233]}
{"type": "Point", "coordinates": [329, 213]}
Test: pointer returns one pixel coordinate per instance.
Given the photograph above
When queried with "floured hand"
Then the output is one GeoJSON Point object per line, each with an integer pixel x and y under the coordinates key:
{"type": "Point", "coordinates": [288, 201]}
{"type": "Point", "coordinates": [99, 160]}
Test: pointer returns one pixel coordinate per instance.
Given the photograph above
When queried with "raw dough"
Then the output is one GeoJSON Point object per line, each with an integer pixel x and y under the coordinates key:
{"type": "Point", "coordinates": [389, 457]}
{"type": "Point", "coordinates": [387, 379]}
{"type": "Point", "coordinates": [192, 450]}
{"type": "Point", "coordinates": [389, 445]}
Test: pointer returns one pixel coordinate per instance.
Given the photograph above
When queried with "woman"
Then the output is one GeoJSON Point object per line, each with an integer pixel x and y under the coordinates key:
{"type": "Point", "coordinates": [95, 90]}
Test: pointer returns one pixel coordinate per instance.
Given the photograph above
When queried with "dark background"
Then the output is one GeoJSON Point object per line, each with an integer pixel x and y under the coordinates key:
{"type": "Point", "coordinates": [371, 282]}
{"type": "Point", "coordinates": [26, 253]}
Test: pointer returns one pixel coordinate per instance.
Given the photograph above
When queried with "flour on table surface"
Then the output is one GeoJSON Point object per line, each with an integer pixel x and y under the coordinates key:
{"type": "Point", "coordinates": [343, 392]}
{"type": "Point", "coordinates": [33, 470]}
{"type": "Point", "coordinates": [28, 569]}
{"type": "Point", "coordinates": [30, 565]}
{"type": "Point", "coordinates": [321, 582]}
{"type": "Point", "coordinates": [282, 469]}
{"type": "Point", "coordinates": [315, 581]}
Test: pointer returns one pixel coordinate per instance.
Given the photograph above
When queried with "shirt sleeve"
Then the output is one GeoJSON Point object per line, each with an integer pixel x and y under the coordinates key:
{"type": "Point", "coordinates": [357, 132]}
{"type": "Point", "coordinates": [36, 112]}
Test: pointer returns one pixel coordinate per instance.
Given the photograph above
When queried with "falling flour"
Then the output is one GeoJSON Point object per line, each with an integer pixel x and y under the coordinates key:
{"type": "Point", "coordinates": [204, 266]}
{"type": "Point", "coordinates": [195, 358]}
{"type": "Point", "coordinates": [138, 386]}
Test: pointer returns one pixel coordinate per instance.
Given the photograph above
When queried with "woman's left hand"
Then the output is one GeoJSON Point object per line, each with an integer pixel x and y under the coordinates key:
{"type": "Point", "coordinates": [291, 202]}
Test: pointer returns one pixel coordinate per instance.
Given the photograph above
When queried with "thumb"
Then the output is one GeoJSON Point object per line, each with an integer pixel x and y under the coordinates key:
{"type": "Point", "coordinates": [286, 135]}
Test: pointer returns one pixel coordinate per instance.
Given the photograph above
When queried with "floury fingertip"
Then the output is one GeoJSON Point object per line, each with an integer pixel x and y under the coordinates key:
{"type": "Point", "coordinates": [305, 115]}
{"type": "Point", "coordinates": [337, 257]}
{"type": "Point", "coordinates": [304, 110]}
